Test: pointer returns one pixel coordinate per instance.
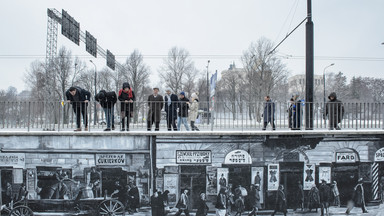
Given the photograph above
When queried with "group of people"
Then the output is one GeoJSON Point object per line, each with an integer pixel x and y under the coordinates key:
{"type": "Point", "coordinates": [128, 195]}
{"type": "Point", "coordinates": [179, 109]}
{"type": "Point", "coordinates": [333, 110]}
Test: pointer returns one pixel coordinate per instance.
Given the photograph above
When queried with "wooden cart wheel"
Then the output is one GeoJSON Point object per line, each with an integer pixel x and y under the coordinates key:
{"type": "Point", "coordinates": [21, 211]}
{"type": "Point", "coordinates": [111, 208]}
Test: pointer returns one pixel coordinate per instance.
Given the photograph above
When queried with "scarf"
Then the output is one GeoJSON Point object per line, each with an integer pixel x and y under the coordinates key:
{"type": "Point", "coordinates": [129, 92]}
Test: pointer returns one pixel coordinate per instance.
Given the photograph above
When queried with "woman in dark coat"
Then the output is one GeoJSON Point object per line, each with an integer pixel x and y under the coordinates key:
{"type": "Point", "coordinates": [313, 198]}
{"type": "Point", "coordinates": [335, 111]}
{"type": "Point", "coordinates": [281, 201]}
{"type": "Point", "coordinates": [269, 113]}
{"type": "Point", "coordinates": [127, 97]}
{"type": "Point", "coordinates": [202, 208]}
{"type": "Point", "coordinates": [134, 197]}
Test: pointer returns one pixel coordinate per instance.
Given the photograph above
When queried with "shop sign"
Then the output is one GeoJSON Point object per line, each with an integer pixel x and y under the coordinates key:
{"type": "Point", "coordinates": [110, 159]}
{"type": "Point", "coordinates": [15, 160]}
{"type": "Point", "coordinates": [379, 155]}
{"type": "Point", "coordinates": [325, 173]}
{"type": "Point", "coordinates": [273, 177]}
{"type": "Point", "coordinates": [345, 157]}
{"type": "Point", "coordinates": [309, 176]}
{"type": "Point", "coordinates": [291, 157]}
{"type": "Point", "coordinates": [257, 177]}
{"type": "Point", "coordinates": [193, 157]}
{"type": "Point", "coordinates": [238, 157]}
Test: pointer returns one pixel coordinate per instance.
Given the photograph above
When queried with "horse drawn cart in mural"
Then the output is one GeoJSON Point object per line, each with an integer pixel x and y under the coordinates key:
{"type": "Point", "coordinates": [89, 206]}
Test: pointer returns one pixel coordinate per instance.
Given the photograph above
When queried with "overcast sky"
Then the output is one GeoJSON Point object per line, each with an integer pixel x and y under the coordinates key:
{"type": "Point", "coordinates": [215, 30]}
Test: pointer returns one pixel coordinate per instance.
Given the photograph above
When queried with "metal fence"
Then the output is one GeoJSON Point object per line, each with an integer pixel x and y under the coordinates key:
{"type": "Point", "coordinates": [220, 116]}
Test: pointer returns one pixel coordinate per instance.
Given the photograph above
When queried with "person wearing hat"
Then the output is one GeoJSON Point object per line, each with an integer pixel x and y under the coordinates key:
{"type": "Point", "coordinates": [335, 111]}
{"type": "Point", "coordinates": [254, 199]}
{"type": "Point", "coordinates": [336, 194]}
{"type": "Point", "coordinates": [155, 105]}
{"type": "Point", "coordinates": [358, 197]}
{"type": "Point", "coordinates": [183, 106]}
{"type": "Point", "coordinates": [107, 101]}
{"type": "Point", "coordinates": [126, 97]}
{"type": "Point", "coordinates": [171, 109]}
{"type": "Point", "coordinates": [313, 198]}
{"type": "Point", "coordinates": [193, 111]}
{"type": "Point", "coordinates": [281, 201]}
{"type": "Point", "coordinates": [325, 196]}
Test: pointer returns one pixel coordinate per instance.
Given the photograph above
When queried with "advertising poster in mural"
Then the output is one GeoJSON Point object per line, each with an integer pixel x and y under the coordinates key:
{"type": "Point", "coordinates": [171, 183]}
{"type": "Point", "coordinates": [222, 178]}
{"type": "Point", "coordinates": [211, 180]}
{"type": "Point", "coordinates": [273, 177]}
{"type": "Point", "coordinates": [257, 177]}
{"type": "Point", "coordinates": [325, 173]}
{"type": "Point", "coordinates": [308, 176]}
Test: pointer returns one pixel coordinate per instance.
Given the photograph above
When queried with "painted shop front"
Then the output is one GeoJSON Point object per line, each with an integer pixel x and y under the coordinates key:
{"type": "Point", "coordinates": [207, 166]}
{"type": "Point", "coordinates": [92, 166]}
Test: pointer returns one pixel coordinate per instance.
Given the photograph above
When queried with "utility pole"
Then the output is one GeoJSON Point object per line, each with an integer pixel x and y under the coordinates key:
{"type": "Point", "coordinates": [309, 74]}
{"type": "Point", "coordinates": [208, 92]}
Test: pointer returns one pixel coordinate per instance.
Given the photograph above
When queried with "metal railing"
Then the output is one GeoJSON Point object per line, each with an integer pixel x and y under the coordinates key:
{"type": "Point", "coordinates": [226, 116]}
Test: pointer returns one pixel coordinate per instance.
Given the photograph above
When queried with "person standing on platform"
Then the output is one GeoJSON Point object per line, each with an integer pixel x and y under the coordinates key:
{"type": "Point", "coordinates": [335, 112]}
{"type": "Point", "coordinates": [79, 99]}
{"type": "Point", "coordinates": [269, 113]}
{"type": "Point", "coordinates": [155, 105]}
{"type": "Point", "coordinates": [126, 98]}
{"type": "Point", "coordinates": [107, 101]}
{"type": "Point", "coordinates": [296, 112]}
{"type": "Point", "coordinates": [183, 111]}
{"type": "Point", "coordinates": [171, 102]}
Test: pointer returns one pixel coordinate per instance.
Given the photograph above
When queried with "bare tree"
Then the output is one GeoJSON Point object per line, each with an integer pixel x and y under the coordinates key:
{"type": "Point", "coordinates": [177, 70]}
{"type": "Point", "coordinates": [264, 73]}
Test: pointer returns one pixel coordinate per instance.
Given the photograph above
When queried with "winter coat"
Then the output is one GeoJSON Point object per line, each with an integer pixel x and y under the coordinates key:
{"type": "Point", "coordinates": [155, 105]}
{"type": "Point", "coordinates": [221, 201]}
{"type": "Point", "coordinates": [325, 193]}
{"type": "Point", "coordinates": [80, 96]}
{"type": "Point", "coordinates": [300, 194]}
{"type": "Point", "coordinates": [172, 108]}
{"type": "Point", "coordinates": [358, 195]}
{"type": "Point", "coordinates": [183, 107]}
{"type": "Point", "coordinates": [334, 109]}
{"type": "Point", "coordinates": [269, 111]}
{"type": "Point", "coordinates": [193, 110]}
{"type": "Point", "coordinates": [106, 99]}
{"type": "Point", "coordinates": [157, 206]}
{"type": "Point", "coordinates": [335, 190]}
{"type": "Point", "coordinates": [313, 198]}
{"type": "Point", "coordinates": [296, 114]}
{"type": "Point", "coordinates": [281, 201]}
{"type": "Point", "coordinates": [125, 96]}
{"type": "Point", "coordinates": [254, 198]}
{"type": "Point", "coordinates": [134, 197]}
{"type": "Point", "coordinates": [202, 208]}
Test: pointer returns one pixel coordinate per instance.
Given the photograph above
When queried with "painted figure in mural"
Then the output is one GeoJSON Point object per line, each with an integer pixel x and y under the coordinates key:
{"type": "Point", "coordinates": [183, 203]}
{"type": "Point", "coordinates": [156, 204]}
{"type": "Point", "coordinates": [120, 193]}
{"type": "Point", "coordinates": [171, 109]}
{"type": "Point", "coordinates": [133, 197]}
{"type": "Point", "coordinates": [335, 111]}
{"type": "Point", "coordinates": [202, 208]}
{"type": "Point", "coordinates": [8, 194]}
{"type": "Point", "coordinates": [183, 111]}
{"type": "Point", "coordinates": [299, 196]}
{"type": "Point", "coordinates": [269, 113]}
{"type": "Point", "coordinates": [221, 203]}
{"type": "Point", "coordinates": [313, 198]}
{"type": "Point", "coordinates": [95, 178]}
{"type": "Point", "coordinates": [230, 199]}
{"type": "Point", "coordinates": [273, 176]}
{"type": "Point", "coordinates": [257, 179]}
{"type": "Point", "coordinates": [254, 199]}
{"type": "Point", "coordinates": [308, 174]}
{"type": "Point", "coordinates": [126, 97]}
{"type": "Point", "coordinates": [325, 196]}
{"type": "Point", "coordinates": [281, 201]}
{"type": "Point", "coordinates": [155, 105]}
{"type": "Point", "coordinates": [358, 197]}
{"type": "Point", "coordinates": [222, 181]}
{"type": "Point", "coordinates": [79, 99]}
{"type": "Point", "coordinates": [336, 194]}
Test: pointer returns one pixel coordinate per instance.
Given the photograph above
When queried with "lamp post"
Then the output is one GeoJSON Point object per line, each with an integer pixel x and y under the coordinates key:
{"type": "Point", "coordinates": [95, 113]}
{"type": "Point", "coordinates": [324, 83]}
{"type": "Point", "coordinates": [208, 92]}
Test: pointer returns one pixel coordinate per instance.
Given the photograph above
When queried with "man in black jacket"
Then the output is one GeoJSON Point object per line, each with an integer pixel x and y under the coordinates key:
{"type": "Point", "coordinates": [107, 100]}
{"type": "Point", "coordinates": [79, 98]}
{"type": "Point", "coordinates": [335, 111]}
{"type": "Point", "coordinates": [183, 106]}
{"type": "Point", "coordinates": [171, 109]}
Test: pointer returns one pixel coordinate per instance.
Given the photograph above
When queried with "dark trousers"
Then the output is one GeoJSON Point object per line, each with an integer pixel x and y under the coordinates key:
{"type": "Point", "coordinates": [81, 110]}
{"type": "Point", "coordinates": [285, 213]}
{"type": "Point", "coordinates": [125, 114]}
{"type": "Point", "coordinates": [324, 205]}
{"type": "Point", "coordinates": [186, 212]}
{"type": "Point", "coordinates": [171, 122]}
{"type": "Point", "coordinates": [150, 123]}
{"type": "Point", "coordinates": [193, 126]}
{"type": "Point", "coordinates": [271, 122]}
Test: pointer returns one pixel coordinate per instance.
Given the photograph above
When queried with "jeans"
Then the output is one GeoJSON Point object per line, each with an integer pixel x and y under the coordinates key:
{"type": "Point", "coordinates": [109, 116]}
{"type": "Point", "coordinates": [183, 120]}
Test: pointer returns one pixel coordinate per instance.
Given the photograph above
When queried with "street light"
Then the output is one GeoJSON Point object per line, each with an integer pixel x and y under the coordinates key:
{"type": "Point", "coordinates": [95, 114]}
{"type": "Point", "coordinates": [324, 82]}
{"type": "Point", "coordinates": [208, 92]}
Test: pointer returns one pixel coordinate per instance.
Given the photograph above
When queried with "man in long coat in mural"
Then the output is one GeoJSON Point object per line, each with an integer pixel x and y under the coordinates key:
{"type": "Point", "coordinates": [155, 105]}
{"type": "Point", "coordinates": [358, 197]}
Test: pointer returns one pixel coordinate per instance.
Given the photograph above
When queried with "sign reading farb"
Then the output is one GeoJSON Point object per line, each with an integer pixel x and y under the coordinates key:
{"type": "Point", "coordinates": [346, 157]}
